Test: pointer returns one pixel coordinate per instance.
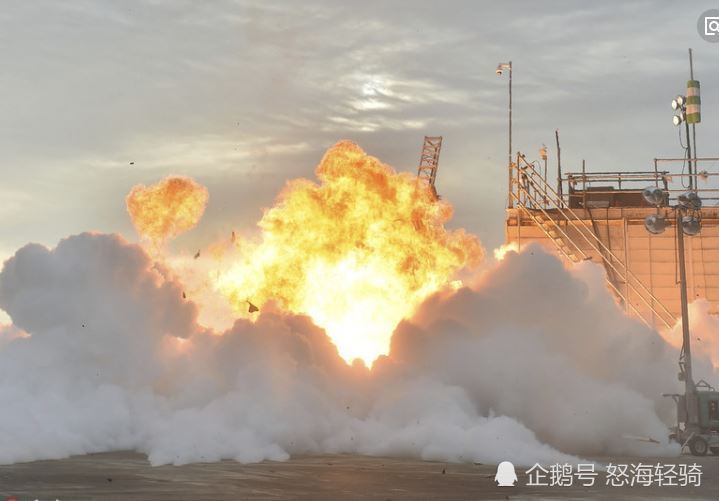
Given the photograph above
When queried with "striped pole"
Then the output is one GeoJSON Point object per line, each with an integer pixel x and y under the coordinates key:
{"type": "Point", "coordinates": [693, 102]}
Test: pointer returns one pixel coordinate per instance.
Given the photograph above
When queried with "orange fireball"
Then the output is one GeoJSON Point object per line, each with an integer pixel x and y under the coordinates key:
{"type": "Point", "coordinates": [357, 252]}
{"type": "Point", "coordinates": [166, 209]}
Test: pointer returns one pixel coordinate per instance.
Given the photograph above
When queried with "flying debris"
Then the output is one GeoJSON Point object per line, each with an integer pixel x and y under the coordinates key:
{"type": "Point", "coordinates": [132, 163]}
{"type": "Point", "coordinates": [184, 296]}
{"type": "Point", "coordinates": [233, 237]}
{"type": "Point", "coordinates": [252, 308]}
{"type": "Point", "coordinates": [642, 439]}
{"type": "Point", "coordinates": [197, 254]}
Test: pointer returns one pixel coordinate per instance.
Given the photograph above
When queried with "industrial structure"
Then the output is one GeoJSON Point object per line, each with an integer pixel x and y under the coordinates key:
{"type": "Point", "coordinates": [429, 161]}
{"type": "Point", "coordinates": [600, 216]}
{"type": "Point", "coordinates": [656, 233]}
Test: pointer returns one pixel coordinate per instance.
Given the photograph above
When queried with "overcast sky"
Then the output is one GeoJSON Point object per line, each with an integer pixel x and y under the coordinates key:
{"type": "Point", "coordinates": [243, 95]}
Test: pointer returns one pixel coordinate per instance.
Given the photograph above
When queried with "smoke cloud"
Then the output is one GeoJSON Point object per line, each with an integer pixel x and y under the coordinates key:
{"type": "Point", "coordinates": [114, 358]}
{"type": "Point", "coordinates": [704, 328]}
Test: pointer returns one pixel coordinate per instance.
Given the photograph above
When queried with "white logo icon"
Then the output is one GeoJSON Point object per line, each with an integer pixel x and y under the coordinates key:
{"type": "Point", "coordinates": [711, 26]}
{"type": "Point", "coordinates": [506, 476]}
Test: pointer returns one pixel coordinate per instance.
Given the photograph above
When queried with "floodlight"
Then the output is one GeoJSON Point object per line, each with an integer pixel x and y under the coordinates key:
{"type": "Point", "coordinates": [690, 200]}
{"type": "Point", "coordinates": [678, 119]}
{"type": "Point", "coordinates": [503, 66]}
{"type": "Point", "coordinates": [691, 225]}
{"type": "Point", "coordinates": [653, 195]}
{"type": "Point", "coordinates": [681, 100]}
{"type": "Point", "coordinates": [655, 224]}
{"type": "Point", "coordinates": [675, 104]}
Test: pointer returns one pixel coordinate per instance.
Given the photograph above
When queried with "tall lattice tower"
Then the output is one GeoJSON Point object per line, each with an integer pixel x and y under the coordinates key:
{"type": "Point", "coordinates": [429, 160]}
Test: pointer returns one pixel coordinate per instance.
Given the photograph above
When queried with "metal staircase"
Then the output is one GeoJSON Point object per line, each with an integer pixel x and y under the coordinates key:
{"type": "Point", "coordinates": [547, 226]}
{"type": "Point", "coordinates": [577, 241]}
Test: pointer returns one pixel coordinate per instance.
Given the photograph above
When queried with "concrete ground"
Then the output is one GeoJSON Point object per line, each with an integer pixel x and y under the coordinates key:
{"type": "Point", "coordinates": [128, 476]}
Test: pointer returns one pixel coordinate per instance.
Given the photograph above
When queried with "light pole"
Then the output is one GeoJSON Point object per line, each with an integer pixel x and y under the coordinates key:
{"type": "Point", "coordinates": [500, 68]}
{"type": "Point", "coordinates": [680, 104]}
{"type": "Point", "coordinates": [685, 356]}
{"type": "Point", "coordinates": [689, 201]}
{"type": "Point", "coordinates": [687, 222]}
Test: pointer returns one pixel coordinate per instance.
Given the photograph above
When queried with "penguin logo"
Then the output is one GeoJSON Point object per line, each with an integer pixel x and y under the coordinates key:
{"type": "Point", "coordinates": [506, 476]}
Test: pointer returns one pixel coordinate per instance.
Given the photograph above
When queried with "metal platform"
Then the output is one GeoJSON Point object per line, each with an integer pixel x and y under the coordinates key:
{"type": "Point", "coordinates": [600, 217]}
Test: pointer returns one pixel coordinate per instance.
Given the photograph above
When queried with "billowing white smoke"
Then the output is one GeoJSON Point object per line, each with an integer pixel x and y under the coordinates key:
{"type": "Point", "coordinates": [531, 355]}
{"type": "Point", "coordinates": [551, 348]}
{"type": "Point", "coordinates": [8, 333]}
{"type": "Point", "coordinates": [704, 329]}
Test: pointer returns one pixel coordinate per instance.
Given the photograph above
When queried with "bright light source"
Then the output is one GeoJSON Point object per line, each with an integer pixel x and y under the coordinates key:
{"type": "Point", "coordinates": [677, 120]}
{"type": "Point", "coordinates": [503, 66]}
{"type": "Point", "coordinates": [691, 225]}
{"type": "Point", "coordinates": [653, 195]}
{"type": "Point", "coordinates": [655, 224]}
{"type": "Point", "coordinates": [690, 200]}
{"type": "Point", "coordinates": [679, 102]}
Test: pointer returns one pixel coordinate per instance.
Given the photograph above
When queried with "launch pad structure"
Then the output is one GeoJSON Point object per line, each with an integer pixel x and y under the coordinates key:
{"type": "Point", "coordinates": [600, 216]}
{"type": "Point", "coordinates": [623, 220]}
{"type": "Point", "coordinates": [619, 219]}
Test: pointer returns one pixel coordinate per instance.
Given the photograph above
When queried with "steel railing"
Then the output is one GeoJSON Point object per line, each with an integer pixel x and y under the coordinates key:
{"type": "Point", "coordinates": [532, 187]}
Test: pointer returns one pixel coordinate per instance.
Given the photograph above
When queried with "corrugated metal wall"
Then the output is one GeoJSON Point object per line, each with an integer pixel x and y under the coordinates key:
{"type": "Point", "coordinates": [651, 258]}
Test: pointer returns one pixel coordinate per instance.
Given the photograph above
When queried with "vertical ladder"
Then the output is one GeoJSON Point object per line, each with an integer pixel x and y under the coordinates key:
{"type": "Point", "coordinates": [429, 161]}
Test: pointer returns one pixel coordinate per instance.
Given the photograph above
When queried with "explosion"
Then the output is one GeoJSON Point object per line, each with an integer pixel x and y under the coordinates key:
{"type": "Point", "coordinates": [472, 378]}
{"type": "Point", "coordinates": [501, 252]}
{"type": "Point", "coordinates": [357, 252]}
{"type": "Point", "coordinates": [166, 209]}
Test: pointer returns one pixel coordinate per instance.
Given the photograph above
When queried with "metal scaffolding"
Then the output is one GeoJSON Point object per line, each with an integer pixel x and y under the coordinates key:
{"type": "Point", "coordinates": [429, 160]}
{"type": "Point", "coordinates": [577, 241]}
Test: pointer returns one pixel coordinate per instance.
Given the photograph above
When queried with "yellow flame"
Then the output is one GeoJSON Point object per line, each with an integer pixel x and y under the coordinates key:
{"type": "Point", "coordinates": [357, 252]}
{"type": "Point", "coordinates": [501, 251]}
{"type": "Point", "coordinates": [166, 209]}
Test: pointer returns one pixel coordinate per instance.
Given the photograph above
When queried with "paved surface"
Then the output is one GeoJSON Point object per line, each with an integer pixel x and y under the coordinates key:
{"type": "Point", "coordinates": [128, 476]}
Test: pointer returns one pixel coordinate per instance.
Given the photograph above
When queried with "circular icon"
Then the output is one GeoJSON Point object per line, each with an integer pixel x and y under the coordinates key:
{"type": "Point", "coordinates": [708, 25]}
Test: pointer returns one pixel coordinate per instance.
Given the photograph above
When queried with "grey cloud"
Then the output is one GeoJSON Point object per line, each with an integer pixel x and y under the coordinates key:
{"type": "Point", "coordinates": [253, 92]}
